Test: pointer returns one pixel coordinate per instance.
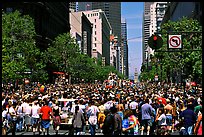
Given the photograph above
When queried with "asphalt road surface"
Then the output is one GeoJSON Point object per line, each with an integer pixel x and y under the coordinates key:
{"type": "Point", "coordinates": [66, 132]}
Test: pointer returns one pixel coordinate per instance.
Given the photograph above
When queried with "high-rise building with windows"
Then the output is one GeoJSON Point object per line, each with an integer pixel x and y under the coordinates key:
{"type": "Point", "coordinates": [84, 6]}
{"type": "Point", "coordinates": [153, 15]}
{"type": "Point", "coordinates": [100, 34]}
{"type": "Point", "coordinates": [113, 14]}
{"type": "Point", "coordinates": [146, 27]}
{"type": "Point", "coordinates": [72, 6]}
{"type": "Point", "coordinates": [125, 47]}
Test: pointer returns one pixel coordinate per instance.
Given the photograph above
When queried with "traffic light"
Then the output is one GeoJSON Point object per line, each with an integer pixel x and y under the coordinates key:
{"type": "Point", "coordinates": [155, 42]}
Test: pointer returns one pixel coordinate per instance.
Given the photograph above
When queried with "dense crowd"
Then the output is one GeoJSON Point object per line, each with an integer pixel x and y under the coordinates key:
{"type": "Point", "coordinates": [114, 109]}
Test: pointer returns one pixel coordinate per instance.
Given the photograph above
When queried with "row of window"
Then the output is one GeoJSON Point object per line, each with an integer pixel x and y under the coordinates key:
{"type": "Point", "coordinates": [92, 14]}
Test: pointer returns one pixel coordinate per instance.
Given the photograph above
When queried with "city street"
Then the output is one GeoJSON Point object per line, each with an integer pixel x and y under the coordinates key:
{"type": "Point", "coordinates": [105, 68]}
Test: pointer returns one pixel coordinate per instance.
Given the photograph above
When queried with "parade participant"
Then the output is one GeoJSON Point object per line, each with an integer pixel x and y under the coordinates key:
{"type": "Point", "coordinates": [28, 113]}
{"type": "Point", "coordinates": [35, 117]}
{"type": "Point", "coordinates": [198, 125]}
{"type": "Point", "coordinates": [189, 118]}
{"type": "Point", "coordinates": [134, 106]}
{"type": "Point", "coordinates": [161, 119]}
{"type": "Point", "coordinates": [169, 114]}
{"type": "Point", "coordinates": [101, 115]}
{"type": "Point", "coordinates": [133, 128]}
{"type": "Point", "coordinates": [117, 121]}
{"type": "Point", "coordinates": [92, 119]}
{"type": "Point", "coordinates": [78, 120]}
{"type": "Point", "coordinates": [146, 110]}
{"type": "Point", "coordinates": [56, 118]}
{"type": "Point", "coordinates": [45, 112]}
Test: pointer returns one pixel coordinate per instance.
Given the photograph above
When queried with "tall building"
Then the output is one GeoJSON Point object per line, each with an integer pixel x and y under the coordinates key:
{"type": "Point", "coordinates": [125, 47]}
{"type": "Point", "coordinates": [84, 6]}
{"type": "Point", "coordinates": [113, 14]}
{"type": "Point", "coordinates": [161, 8]}
{"type": "Point", "coordinates": [146, 27]}
{"type": "Point", "coordinates": [153, 15]}
{"type": "Point", "coordinates": [81, 29]}
{"type": "Point", "coordinates": [72, 6]}
{"type": "Point", "coordinates": [100, 34]}
{"type": "Point", "coordinates": [176, 10]}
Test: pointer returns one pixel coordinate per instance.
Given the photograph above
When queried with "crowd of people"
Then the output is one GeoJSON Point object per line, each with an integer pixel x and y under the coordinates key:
{"type": "Point", "coordinates": [120, 109]}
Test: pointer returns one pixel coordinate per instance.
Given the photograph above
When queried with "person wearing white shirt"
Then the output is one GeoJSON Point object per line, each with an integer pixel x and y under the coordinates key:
{"type": "Point", "coordinates": [28, 114]}
{"type": "Point", "coordinates": [35, 117]}
{"type": "Point", "coordinates": [133, 106]}
{"type": "Point", "coordinates": [76, 104]}
{"type": "Point", "coordinates": [92, 113]}
{"type": "Point", "coordinates": [12, 111]}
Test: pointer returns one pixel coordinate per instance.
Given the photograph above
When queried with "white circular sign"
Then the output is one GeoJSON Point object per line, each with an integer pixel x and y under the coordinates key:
{"type": "Point", "coordinates": [175, 41]}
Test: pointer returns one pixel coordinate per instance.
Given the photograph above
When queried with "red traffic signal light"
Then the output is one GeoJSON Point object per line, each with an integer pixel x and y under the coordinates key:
{"type": "Point", "coordinates": [155, 38]}
{"type": "Point", "coordinates": [155, 42]}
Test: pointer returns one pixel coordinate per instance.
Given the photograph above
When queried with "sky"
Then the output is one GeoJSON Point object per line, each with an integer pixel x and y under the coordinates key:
{"type": "Point", "coordinates": [133, 13]}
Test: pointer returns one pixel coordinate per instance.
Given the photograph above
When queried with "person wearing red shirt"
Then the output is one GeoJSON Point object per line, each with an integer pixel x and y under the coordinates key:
{"type": "Point", "coordinates": [163, 100]}
{"type": "Point", "coordinates": [45, 112]}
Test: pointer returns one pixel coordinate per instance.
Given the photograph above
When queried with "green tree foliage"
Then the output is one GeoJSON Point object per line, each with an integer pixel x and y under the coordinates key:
{"type": "Point", "coordinates": [188, 62]}
{"type": "Point", "coordinates": [19, 52]}
{"type": "Point", "coordinates": [63, 53]}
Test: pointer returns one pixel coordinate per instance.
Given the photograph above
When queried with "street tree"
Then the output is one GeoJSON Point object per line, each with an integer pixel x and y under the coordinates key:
{"type": "Point", "coordinates": [185, 63]}
{"type": "Point", "coordinates": [63, 53]}
{"type": "Point", "coordinates": [19, 51]}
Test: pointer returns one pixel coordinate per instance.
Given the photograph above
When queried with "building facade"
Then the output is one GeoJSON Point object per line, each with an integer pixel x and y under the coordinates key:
{"type": "Point", "coordinates": [145, 32]}
{"type": "Point", "coordinates": [113, 14]}
{"type": "Point", "coordinates": [125, 47]}
{"type": "Point", "coordinates": [84, 6]}
{"type": "Point", "coordinates": [50, 18]}
{"type": "Point", "coordinates": [100, 34]}
{"type": "Point", "coordinates": [114, 51]}
{"type": "Point", "coordinates": [81, 29]}
{"type": "Point", "coordinates": [176, 10]}
{"type": "Point", "coordinates": [161, 8]}
{"type": "Point", "coordinates": [153, 16]}
{"type": "Point", "coordinates": [72, 6]}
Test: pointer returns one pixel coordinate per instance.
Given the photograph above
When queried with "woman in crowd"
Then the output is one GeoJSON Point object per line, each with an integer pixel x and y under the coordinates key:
{"type": "Point", "coordinates": [56, 118]}
{"type": "Point", "coordinates": [133, 128]}
{"type": "Point", "coordinates": [78, 120]}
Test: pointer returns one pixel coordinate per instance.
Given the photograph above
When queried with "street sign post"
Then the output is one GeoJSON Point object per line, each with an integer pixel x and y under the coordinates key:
{"type": "Point", "coordinates": [174, 42]}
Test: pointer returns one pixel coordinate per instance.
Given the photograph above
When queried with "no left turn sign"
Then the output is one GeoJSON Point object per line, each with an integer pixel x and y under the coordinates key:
{"type": "Point", "coordinates": [175, 41]}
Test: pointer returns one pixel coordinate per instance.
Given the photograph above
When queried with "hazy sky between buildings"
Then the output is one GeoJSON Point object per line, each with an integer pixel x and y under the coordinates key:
{"type": "Point", "coordinates": [133, 13]}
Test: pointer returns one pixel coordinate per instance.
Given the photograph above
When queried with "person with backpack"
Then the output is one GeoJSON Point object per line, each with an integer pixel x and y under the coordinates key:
{"type": "Point", "coordinates": [133, 128]}
{"type": "Point", "coordinates": [117, 130]}
{"type": "Point", "coordinates": [110, 123]}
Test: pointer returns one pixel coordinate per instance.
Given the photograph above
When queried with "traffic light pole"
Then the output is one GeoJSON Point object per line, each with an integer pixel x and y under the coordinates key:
{"type": "Point", "coordinates": [173, 50]}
